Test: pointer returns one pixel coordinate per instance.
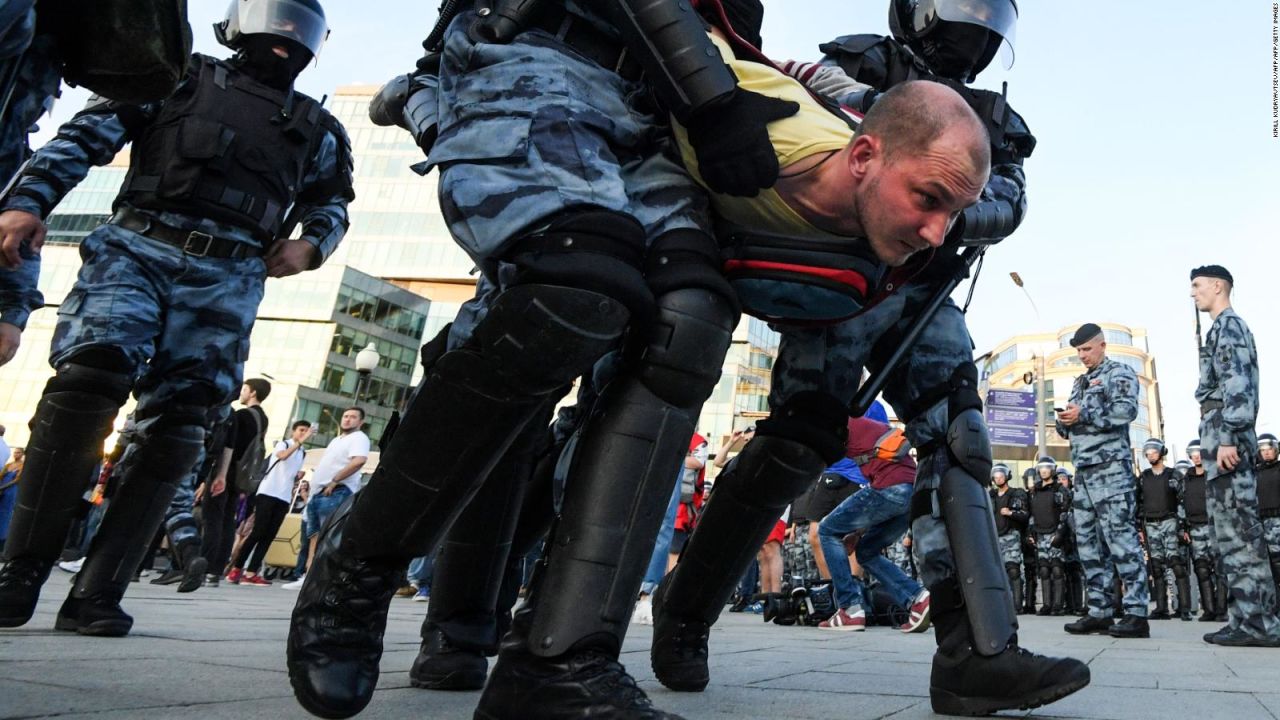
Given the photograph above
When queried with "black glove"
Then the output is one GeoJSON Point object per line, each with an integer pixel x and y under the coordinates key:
{"type": "Point", "coordinates": [731, 140]}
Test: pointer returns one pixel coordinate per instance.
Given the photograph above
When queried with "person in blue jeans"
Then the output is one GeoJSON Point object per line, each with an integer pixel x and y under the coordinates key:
{"type": "Point", "coordinates": [877, 516]}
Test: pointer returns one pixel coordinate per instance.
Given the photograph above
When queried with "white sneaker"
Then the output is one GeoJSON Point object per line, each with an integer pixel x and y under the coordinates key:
{"type": "Point", "coordinates": [295, 585]}
{"type": "Point", "coordinates": [643, 614]}
{"type": "Point", "coordinates": [71, 566]}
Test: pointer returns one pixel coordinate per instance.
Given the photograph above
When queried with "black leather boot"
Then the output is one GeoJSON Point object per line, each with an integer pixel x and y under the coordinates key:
{"type": "Point", "coordinates": [441, 666]}
{"type": "Point", "coordinates": [964, 682]}
{"type": "Point", "coordinates": [1089, 625]}
{"type": "Point", "coordinates": [1131, 626]}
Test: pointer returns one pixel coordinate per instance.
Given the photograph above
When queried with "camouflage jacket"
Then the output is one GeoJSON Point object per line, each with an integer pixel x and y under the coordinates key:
{"type": "Point", "coordinates": [1228, 391]}
{"type": "Point", "coordinates": [1108, 399]}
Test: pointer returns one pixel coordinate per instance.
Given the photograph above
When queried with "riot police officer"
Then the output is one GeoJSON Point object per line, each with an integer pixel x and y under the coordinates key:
{"type": "Point", "coordinates": [1048, 513]}
{"type": "Point", "coordinates": [1009, 507]}
{"type": "Point", "coordinates": [1030, 567]}
{"type": "Point", "coordinates": [1071, 555]}
{"type": "Point", "coordinates": [1198, 533]}
{"type": "Point", "coordinates": [1158, 509]}
{"type": "Point", "coordinates": [219, 173]}
{"type": "Point", "coordinates": [1269, 499]}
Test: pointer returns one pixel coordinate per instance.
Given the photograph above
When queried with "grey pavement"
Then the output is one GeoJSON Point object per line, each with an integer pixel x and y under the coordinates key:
{"type": "Point", "coordinates": [219, 653]}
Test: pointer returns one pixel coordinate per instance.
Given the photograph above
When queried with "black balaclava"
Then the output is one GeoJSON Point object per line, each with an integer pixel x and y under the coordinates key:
{"type": "Point", "coordinates": [258, 60]}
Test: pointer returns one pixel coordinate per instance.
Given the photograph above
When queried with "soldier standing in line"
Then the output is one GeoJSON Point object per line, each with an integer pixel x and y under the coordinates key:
{"type": "Point", "coordinates": [1103, 402]}
{"type": "Point", "coordinates": [1071, 556]}
{"type": "Point", "coordinates": [1030, 567]}
{"type": "Point", "coordinates": [1009, 506]}
{"type": "Point", "coordinates": [1198, 534]}
{"type": "Point", "coordinates": [1269, 499]}
{"type": "Point", "coordinates": [1228, 396]}
{"type": "Point", "coordinates": [1049, 506]}
{"type": "Point", "coordinates": [1158, 504]}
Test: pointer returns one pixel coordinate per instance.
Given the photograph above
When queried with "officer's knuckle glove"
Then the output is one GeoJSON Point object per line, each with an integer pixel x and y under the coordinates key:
{"type": "Point", "coordinates": [731, 141]}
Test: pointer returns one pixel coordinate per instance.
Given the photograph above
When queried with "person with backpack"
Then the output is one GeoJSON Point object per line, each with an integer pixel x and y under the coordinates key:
{"type": "Point", "coordinates": [241, 456]}
{"type": "Point", "coordinates": [878, 517]}
{"type": "Point", "coordinates": [271, 504]}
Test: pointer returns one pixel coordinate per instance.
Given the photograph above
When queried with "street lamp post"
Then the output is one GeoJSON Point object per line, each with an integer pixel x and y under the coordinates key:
{"type": "Point", "coordinates": [1038, 373]}
{"type": "Point", "coordinates": [366, 360]}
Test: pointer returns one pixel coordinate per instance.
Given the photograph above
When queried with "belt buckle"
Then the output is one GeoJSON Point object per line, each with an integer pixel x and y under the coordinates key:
{"type": "Point", "coordinates": [197, 236]}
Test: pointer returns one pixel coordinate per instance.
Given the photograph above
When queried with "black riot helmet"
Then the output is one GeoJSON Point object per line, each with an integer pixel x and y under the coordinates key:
{"type": "Point", "coordinates": [299, 21]}
{"type": "Point", "coordinates": [1029, 478]}
{"type": "Point", "coordinates": [1155, 444]}
{"type": "Point", "coordinates": [957, 39]}
{"type": "Point", "coordinates": [1000, 469]}
{"type": "Point", "coordinates": [1268, 440]}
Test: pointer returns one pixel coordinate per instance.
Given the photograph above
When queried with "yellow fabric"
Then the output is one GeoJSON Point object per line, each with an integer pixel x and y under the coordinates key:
{"type": "Point", "coordinates": [811, 131]}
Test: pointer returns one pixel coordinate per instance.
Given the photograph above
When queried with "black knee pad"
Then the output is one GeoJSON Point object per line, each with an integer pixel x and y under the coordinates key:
{"type": "Point", "coordinates": [1179, 569]}
{"type": "Point", "coordinates": [1042, 571]}
{"type": "Point", "coordinates": [772, 471]}
{"type": "Point", "coordinates": [1204, 568]}
{"type": "Point", "coordinates": [812, 418]}
{"type": "Point", "coordinates": [684, 347]}
{"type": "Point", "coordinates": [591, 249]}
{"type": "Point", "coordinates": [688, 259]}
{"type": "Point", "coordinates": [110, 378]}
{"type": "Point", "coordinates": [1014, 570]}
{"type": "Point", "coordinates": [1057, 570]}
{"type": "Point", "coordinates": [539, 338]}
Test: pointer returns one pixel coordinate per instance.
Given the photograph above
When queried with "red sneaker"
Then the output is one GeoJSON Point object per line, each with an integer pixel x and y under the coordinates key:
{"type": "Point", "coordinates": [845, 622]}
{"type": "Point", "coordinates": [234, 576]}
{"type": "Point", "coordinates": [919, 620]}
{"type": "Point", "coordinates": [255, 581]}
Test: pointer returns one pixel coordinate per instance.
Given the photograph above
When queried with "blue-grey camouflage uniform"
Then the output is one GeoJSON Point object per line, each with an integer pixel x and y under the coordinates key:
{"type": "Point", "coordinates": [182, 321]}
{"type": "Point", "coordinates": [1105, 497]}
{"type": "Point", "coordinates": [1228, 396]}
{"type": "Point", "coordinates": [35, 87]}
{"type": "Point", "coordinates": [535, 115]}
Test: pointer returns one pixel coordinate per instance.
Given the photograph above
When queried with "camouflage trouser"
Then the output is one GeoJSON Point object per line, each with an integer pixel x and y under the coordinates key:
{"type": "Point", "coordinates": [1238, 533]}
{"type": "Point", "coordinates": [1046, 553]}
{"type": "Point", "coordinates": [1010, 547]}
{"type": "Point", "coordinates": [1202, 544]}
{"type": "Point", "coordinates": [831, 359]}
{"type": "Point", "coordinates": [181, 321]}
{"type": "Point", "coordinates": [1107, 540]}
{"type": "Point", "coordinates": [1271, 533]}
{"type": "Point", "coordinates": [798, 559]}
{"type": "Point", "coordinates": [531, 129]}
{"type": "Point", "coordinates": [900, 555]}
{"type": "Point", "coordinates": [1163, 540]}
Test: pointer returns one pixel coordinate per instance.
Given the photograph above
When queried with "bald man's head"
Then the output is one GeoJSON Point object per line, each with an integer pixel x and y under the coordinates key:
{"type": "Point", "coordinates": [913, 115]}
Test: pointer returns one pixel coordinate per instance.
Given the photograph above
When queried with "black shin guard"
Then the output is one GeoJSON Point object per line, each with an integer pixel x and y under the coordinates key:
{"type": "Point", "coordinates": [971, 529]}
{"type": "Point", "coordinates": [747, 503]}
{"type": "Point", "coordinates": [1014, 571]}
{"type": "Point", "coordinates": [616, 495]}
{"type": "Point", "coordinates": [473, 557]}
{"type": "Point", "coordinates": [476, 401]}
{"type": "Point", "coordinates": [134, 516]}
{"type": "Point", "coordinates": [67, 433]}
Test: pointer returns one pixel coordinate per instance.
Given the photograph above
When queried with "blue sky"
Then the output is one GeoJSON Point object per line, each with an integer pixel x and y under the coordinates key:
{"type": "Point", "coordinates": [1155, 155]}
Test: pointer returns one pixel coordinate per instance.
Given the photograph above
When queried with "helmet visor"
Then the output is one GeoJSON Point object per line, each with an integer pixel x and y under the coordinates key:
{"type": "Point", "coordinates": [998, 16]}
{"type": "Point", "coordinates": [284, 18]}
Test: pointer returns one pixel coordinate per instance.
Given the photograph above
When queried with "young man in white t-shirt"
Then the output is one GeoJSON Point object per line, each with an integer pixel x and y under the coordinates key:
{"type": "Point", "coordinates": [271, 505]}
{"type": "Point", "coordinates": [336, 477]}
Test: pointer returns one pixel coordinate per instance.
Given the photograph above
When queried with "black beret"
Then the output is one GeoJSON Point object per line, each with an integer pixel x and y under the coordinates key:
{"type": "Point", "coordinates": [1087, 332]}
{"type": "Point", "coordinates": [1212, 271]}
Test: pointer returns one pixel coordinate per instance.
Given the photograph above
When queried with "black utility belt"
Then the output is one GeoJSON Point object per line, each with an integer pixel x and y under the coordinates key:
{"type": "Point", "coordinates": [1268, 513]}
{"type": "Point", "coordinates": [1209, 406]}
{"type": "Point", "coordinates": [1162, 518]}
{"type": "Point", "coordinates": [191, 242]}
{"type": "Point", "coordinates": [588, 41]}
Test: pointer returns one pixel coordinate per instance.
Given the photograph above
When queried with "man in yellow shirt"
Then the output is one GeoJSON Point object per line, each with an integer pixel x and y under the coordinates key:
{"type": "Point", "coordinates": [891, 193]}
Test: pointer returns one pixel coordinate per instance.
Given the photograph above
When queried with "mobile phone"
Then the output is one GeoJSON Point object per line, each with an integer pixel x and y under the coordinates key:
{"type": "Point", "coordinates": [1059, 410]}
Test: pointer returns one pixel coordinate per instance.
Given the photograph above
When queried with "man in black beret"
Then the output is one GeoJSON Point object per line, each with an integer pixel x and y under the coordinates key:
{"type": "Point", "coordinates": [1228, 397]}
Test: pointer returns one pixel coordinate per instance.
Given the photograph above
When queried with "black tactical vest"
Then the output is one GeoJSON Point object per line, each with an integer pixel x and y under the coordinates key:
{"type": "Point", "coordinates": [1159, 501]}
{"type": "Point", "coordinates": [1269, 489]}
{"type": "Point", "coordinates": [1194, 488]}
{"type": "Point", "coordinates": [1004, 523]}
{"type": "Point", "coordinates": [1044, 509]}
{"type": "Point", "coordinates": [225, 147]}
{"type": "Point", "coordinates": [875, 60]}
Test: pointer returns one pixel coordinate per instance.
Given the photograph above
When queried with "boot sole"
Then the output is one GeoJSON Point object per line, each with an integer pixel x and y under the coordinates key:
{"type": "Point", "coordinates": [193, 578]}
{"type": "Point", "coordinates": [101, 628]}
{"type": "Point", "coordinates": [457, 680]}
{"type": "Point", "coordinates": [13, 621]}
{"type": "Point", "coordinates": [695, 685]}
{"type": "Point", "coordinates": [948, 703]}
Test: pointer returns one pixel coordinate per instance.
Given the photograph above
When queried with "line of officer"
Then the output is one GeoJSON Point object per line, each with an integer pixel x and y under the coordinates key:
{"type": "Point", "coordinates": [1049, 507]}
{"type": "Point", "coordinates": [1030, 564]}
{"type": "Point", "coordinates": [1228, 397]}
{"type": "Point", "coordinates": [1158, 509]}
{"type": "Point", "coordinates": [169, 288]}
{"type": "Point", "coordinates": [1269, 499]}
{"type": "Point", "coordinates": [1104, 401]}
{"type": "Point", "coordinates": [1009, 505]}
{"type": "Point", "coordinates": [1197, 533]}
